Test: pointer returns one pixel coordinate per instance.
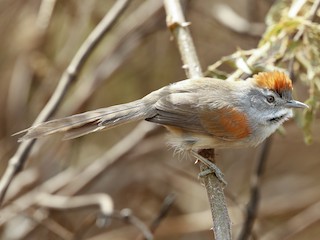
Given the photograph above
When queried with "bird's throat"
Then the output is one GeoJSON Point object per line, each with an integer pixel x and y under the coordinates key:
{"type": "Point", "coordinates": [277, 119]}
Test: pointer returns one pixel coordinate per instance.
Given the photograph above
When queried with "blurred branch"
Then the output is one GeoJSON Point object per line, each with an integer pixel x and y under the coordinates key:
{"type": "Point", "coordinates": [46, 200]}
{"type": "Point", "coordinates": [16, 163]}
{"type": "Point", "coordinates": [178, 26]}
{"type": "Point", "coordinates": [230, 19]}
{"type": "Point", "coordinates": [40, 216]}
{"type": "Point", "coordinates": [23, 71]}
{"type": "Point", "coordinates": [45, 14]}
{"type": "Point", "coordinates": [252, 206]}
{"type": "Point", "coordinates": [104, 201]}
{"type": "Point", "coordinates": [27, 200]}
{"type": "Point", "coordinates": [127, 216]}
{"type": "Point", "coordinates": [167, 204]}
{"type": "Point", "coordinates": [25, 180]}
{"type": "Point", "coordinates": [296, 7]}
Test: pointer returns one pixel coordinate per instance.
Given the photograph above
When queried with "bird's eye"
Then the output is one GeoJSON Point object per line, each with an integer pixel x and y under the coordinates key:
{"type": "Point", "coordinates": [270, 99]}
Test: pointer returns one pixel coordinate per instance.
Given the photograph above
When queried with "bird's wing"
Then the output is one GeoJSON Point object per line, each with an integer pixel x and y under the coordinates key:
{"type": "Point", "coordinates": [185, 111]}
{"type": "Point", "coordinates": [178, 110]}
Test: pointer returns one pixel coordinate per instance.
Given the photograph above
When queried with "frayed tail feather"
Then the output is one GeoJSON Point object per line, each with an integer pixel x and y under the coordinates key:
{"type": "Point", "coordinates": [88, 122]}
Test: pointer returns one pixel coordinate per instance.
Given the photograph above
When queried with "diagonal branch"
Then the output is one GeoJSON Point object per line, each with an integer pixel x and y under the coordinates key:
{"type": "Point", "coordinates": [17, 162]}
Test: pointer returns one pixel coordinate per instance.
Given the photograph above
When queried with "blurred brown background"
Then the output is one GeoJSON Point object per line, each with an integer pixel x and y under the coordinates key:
{"type": "Point", "coordinates": [136, 57]}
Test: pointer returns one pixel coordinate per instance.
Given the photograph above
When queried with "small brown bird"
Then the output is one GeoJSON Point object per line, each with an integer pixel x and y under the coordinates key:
{"type": "Point", "coordinates": [200, 113]}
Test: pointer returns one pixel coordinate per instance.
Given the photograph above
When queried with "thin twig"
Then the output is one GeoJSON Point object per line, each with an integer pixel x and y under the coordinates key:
{"type": "Point", "coordinates": [253, 204]}
{"type": "Point", "coordinates": [177, 24]}
{"type": "Point", "coordinates": [127, 216]}
{"type": "Point", "coordinates": [233, 21]}
{"type": "Point", "coordinates": [166, 206]}
{"type": "Point", "coordinates": [17, 162]}
{"type": "Point", "coordinates": [45, 14]}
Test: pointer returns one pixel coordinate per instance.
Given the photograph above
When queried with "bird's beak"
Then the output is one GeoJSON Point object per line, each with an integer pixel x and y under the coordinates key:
{"type": "Point", "coordinates": [295, 104]}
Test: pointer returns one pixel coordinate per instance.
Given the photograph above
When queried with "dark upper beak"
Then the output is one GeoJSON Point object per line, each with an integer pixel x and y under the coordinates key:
{"type": "Point", "coordinates": [295, 104]}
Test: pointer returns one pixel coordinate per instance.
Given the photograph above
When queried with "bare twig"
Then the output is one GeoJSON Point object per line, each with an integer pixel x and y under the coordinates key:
{"type": "Point", "coordinates": [230, 19]}
{"type": "Point", "coordinates": [17, 161]}
{"type": "Point", "coordinates": [177, 24]}
{"type": "Point", "coordinates": [23, 73]}
{"type": "Point", "coordinates": [167, 203]}
{"type": "Point", "coordinates": [252, 207]}
{"type": "Point", "coordinates": [24, 181]}
{"type": "Point", "coordinates": [104, 201]}
{"type": "Point", "coordinates": [45, 14]}
{"type": "Point", "coordinates": [127, 216]}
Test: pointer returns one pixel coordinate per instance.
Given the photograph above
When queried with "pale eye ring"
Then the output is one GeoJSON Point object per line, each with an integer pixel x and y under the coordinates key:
{"type": "Point", "coordinates": [270, 99]}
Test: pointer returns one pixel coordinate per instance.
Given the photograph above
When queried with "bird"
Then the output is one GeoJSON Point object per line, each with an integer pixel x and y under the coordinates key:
{"type": "Point", "coordinates": [200, 113]}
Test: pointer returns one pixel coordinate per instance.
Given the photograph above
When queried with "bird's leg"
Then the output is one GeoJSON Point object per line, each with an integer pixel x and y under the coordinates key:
{"type": "Point", "coordinates": [212, 167]}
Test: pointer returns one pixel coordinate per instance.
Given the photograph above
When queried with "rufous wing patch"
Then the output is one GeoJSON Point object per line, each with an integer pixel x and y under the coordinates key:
{"type": "Point", "coordinates": [226, 123]}
{"type": "Point", "coordinates": [276, 81]}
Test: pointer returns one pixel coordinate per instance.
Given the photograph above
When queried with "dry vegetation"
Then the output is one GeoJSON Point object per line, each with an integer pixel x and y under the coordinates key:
{"type": "Point", "coordinates": [152, 190]}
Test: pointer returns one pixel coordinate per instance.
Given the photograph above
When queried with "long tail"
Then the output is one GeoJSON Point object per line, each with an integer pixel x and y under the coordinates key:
{"type": "Point", "coordinates": [92, 121]}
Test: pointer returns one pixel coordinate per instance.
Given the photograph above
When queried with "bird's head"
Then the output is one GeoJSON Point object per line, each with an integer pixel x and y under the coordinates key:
{"type": "Point", "coordinates": [271, 98]}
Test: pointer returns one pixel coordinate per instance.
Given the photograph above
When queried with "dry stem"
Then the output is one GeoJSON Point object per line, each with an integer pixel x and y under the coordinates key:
{"type": "Point", "coordinates": [177, 24]}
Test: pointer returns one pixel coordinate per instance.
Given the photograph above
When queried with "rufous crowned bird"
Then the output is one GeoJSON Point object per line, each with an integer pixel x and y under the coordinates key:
{"type": "Point", "coordinates": [200, 113]}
